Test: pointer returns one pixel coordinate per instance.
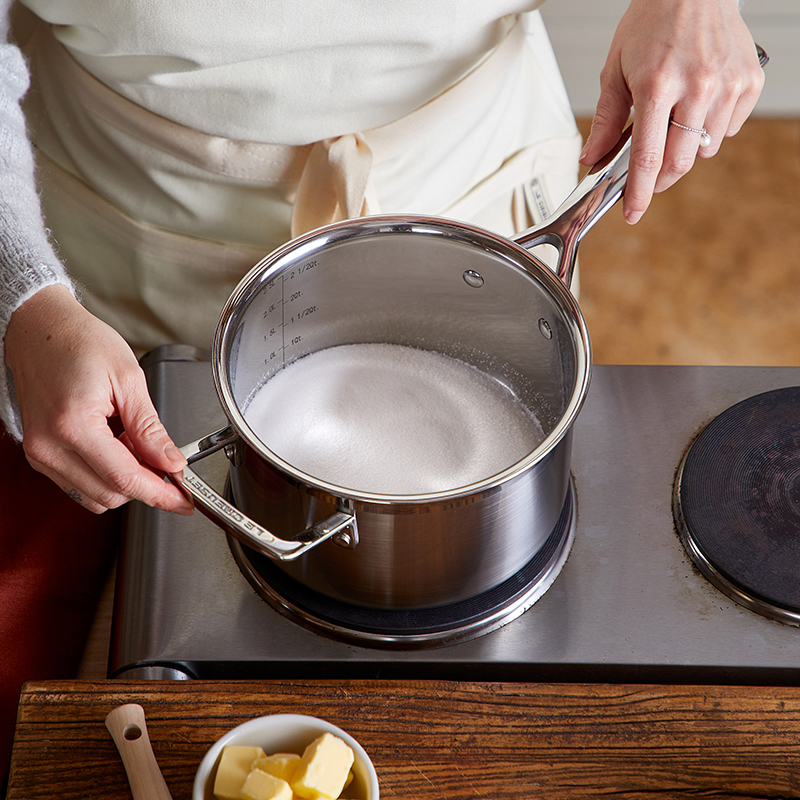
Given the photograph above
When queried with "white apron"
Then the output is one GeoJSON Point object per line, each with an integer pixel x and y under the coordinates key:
{"type": "Point", "coordinates": [158, 221]}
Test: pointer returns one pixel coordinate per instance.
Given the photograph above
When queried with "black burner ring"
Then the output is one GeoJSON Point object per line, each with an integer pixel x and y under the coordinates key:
{"type": "Point", "coordinates": [737, 503]}
{"type": "Point", "coordinates": [444, 624]}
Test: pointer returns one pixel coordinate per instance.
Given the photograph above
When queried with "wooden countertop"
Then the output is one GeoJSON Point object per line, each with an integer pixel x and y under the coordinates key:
{"type": "Point", "coordinates": [433, 739]}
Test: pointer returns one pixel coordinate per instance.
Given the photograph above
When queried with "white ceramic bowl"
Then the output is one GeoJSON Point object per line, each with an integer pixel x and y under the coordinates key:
{"type": "Point", "coordinates": [286, 733]}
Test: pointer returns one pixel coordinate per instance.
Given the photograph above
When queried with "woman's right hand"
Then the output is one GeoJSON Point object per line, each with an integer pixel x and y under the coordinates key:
{"type": "Point", "coordinates": [696, 61]}
{"type": "Point", "coordinates": [72, 375]}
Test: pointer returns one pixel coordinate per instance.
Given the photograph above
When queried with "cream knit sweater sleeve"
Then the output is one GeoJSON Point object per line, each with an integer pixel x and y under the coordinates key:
{"type": "Point", "coordinates": [27, 259]}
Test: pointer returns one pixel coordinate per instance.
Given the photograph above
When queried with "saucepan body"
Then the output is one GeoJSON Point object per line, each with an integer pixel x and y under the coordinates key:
{"type": "Point", "coordinates": [433, 285]}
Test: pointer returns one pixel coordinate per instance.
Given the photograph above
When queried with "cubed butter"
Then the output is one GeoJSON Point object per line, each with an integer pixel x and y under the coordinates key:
{"type": "Point", "coordinates": [234, 767]}
{"type": "Point", "coordinates": [281, 765]}
{"type": "Point", "coordinates": [261, 785]}
{"type": "Point", "coordinates": [323, 769]}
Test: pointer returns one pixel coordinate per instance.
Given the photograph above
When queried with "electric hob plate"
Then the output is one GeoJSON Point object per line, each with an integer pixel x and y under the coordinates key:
{"type": "Point", "coordinates": [737, 503]}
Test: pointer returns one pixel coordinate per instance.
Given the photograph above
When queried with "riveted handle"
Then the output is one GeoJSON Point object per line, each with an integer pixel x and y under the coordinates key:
{"type": "Point", "coordinates": [239, 525]}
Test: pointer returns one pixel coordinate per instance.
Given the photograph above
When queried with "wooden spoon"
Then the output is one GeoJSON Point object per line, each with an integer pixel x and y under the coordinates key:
{"type": "Point", "coordinates": [128, 729]}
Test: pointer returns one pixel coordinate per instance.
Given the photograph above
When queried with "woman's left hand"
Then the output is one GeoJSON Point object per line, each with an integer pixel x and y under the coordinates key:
{"type": "Point", "coordinates": [694, 62]}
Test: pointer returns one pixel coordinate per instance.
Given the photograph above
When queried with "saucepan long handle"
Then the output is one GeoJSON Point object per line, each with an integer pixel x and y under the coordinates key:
{"type": "Point", "coordinates": [239, 525]}
{"type": "Point", "coordinates": [590, 199]}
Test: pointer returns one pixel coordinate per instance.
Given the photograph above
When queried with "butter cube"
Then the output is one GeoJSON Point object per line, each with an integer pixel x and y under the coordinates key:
{"type": "Point", "coordinates": [280, 765]}
{"type": "Point", "coordinates": [234, 767]}
{"type": "Point", "coordinates": [261, 785]}
{"type": "Point", "coordinates": [323, 769]}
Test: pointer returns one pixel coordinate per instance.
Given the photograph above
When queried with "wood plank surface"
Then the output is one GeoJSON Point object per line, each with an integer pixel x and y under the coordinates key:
{"type": "Point", "coordinates": [432, 739]}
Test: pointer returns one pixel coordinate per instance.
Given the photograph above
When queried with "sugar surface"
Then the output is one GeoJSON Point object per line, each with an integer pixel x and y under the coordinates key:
{"type": "Point", "coordinates": [391, 419]}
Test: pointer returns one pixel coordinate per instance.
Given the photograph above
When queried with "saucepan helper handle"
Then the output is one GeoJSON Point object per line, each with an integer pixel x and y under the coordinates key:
{"type": "Point", "coordinates": [590, 199]}
{"type": "Point", "coordinates": [240, 526]}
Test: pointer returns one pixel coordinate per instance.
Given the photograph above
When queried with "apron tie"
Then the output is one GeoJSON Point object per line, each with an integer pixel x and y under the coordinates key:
{"type": "Point", "coordinates": [335, 184]}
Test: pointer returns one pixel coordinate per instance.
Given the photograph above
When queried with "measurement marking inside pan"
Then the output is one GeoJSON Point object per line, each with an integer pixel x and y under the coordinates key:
{"type": "Point", "coordinates": [270, 335]}
{"type": "Point", "coordinates": [305, 311]}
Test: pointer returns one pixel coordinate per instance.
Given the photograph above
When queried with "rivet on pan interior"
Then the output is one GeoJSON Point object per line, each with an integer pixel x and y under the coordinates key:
{"type": "Point", "coordinates": [472, 278]}
{"type": "Point", "coordinates": [544, 327]}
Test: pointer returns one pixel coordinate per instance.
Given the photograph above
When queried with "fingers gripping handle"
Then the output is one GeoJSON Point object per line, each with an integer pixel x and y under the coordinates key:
{"type": "Point", "coordinates": [594, 195]}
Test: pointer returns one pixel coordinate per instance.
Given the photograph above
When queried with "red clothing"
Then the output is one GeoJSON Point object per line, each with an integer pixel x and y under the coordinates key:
{"type": "Point", "coordinates": [54, 561]}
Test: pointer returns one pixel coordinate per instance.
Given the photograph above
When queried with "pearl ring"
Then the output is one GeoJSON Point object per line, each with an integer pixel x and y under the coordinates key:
{"type": "Point", "coordinates": [705, 139]}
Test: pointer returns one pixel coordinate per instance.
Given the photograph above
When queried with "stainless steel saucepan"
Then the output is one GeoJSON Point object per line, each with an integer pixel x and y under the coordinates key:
{"type": "Point", "coordinates": [428, 283]}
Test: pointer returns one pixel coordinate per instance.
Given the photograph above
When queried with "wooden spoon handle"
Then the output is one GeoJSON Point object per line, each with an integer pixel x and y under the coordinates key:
{"type": "Point", "coordinates": [127, 727]}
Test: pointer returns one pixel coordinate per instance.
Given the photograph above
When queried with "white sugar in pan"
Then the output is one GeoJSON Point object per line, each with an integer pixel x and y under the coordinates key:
{"type": "Point", "coordinates": [390, 419]}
